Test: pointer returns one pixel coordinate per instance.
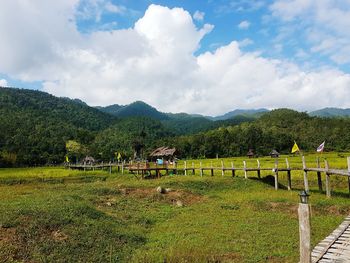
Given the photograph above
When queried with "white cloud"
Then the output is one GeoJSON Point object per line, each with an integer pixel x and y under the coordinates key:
{"type": "Point", "coordinates": [198, 15]}
{"type": "Point", "coordinates": [153, 61]}
{"type": "Point", "coordinates": [240, 6]}
{"type": "Point", "coordinates": [324, 25]}
{"type": "Point", "coordinates": [246, 42]}
{"type": "Point", "coordinates": [244, 24]}
{"type": "Point", "coordinates": [3, 83]}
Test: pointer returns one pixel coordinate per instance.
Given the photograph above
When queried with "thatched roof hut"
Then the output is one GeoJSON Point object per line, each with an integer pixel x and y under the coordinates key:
{"type": "Point", "coordinates": [88, 160]}
{"type": "Point", "coordinates": [163, 152]}
{"type": "Point", "coordinates": [250, 153]}
{"type": "Point", "coordinates": [274, 154]}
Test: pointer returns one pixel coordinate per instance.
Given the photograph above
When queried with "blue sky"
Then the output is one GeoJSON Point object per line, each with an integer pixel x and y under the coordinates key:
{"type": "Point", "coordinates": [200, 56]}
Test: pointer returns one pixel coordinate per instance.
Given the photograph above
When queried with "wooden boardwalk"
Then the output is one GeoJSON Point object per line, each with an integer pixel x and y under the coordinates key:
{"type": "Point", "coordinates": [335, 247]}
{"type": "Point", "coordinates": [144, 169]}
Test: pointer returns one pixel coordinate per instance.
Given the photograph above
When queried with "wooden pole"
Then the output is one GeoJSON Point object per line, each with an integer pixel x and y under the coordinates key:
{"type": "Point", "coordinates": [110, 168]}
{"type": "Point", "coordinates": [304, 233]}
{"type": "Point", "coordinates": [328, 188]}
{"type": "Point", "coordinates": [122, 167]}
{"type": "Point", "coordinates": [245, 169]}
{"type": "Point", "coordinates": [306, 182]}
{"type": "Point", "coordinates": [319, 178]}
{"type": "Point", "coordinates": [185, 168]}
{"type": "Point", "coordinates": [233, 169]}
{"type": "Point", "coordinates": [200, 169]}
{"type": "Point", "coordinates": [258, 171]}
{"type": "Point", "coordinates": [223, 168]}
{"type": "Point", "coordinates": [211, 169]}
{"type": "Point", "coordinates": [276, 174]}
{"type": "Point", "coordinates": [349, 172]}
{"type": "Point", "coordinates": [193, 170]}
{"type": "Point", "coordinates": [289, 177]}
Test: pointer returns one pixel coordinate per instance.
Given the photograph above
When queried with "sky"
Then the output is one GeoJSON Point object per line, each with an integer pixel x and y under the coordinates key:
{"type": "Point", "coordinates": [195, 56]}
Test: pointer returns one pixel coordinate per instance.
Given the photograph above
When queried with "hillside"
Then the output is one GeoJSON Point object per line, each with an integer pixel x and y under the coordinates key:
{"type": "Point", "coordinates": [248, 113]}
{"type": "Point", "coordinates": [137, 108]}
{"type": "Point", "coordinates": [36, 125]}
{"type": "Point", "coordinates": [142, 133]}
{"type": "Point", "coordinates": [274, 130]}
{"type": "Point", "coordinates": [331, 112]}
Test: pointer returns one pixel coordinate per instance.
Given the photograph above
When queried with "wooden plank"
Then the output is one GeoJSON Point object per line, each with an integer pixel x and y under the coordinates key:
{"type": "Point", "coordinates": [258, 171]}
{"type": "Point", "coordinates": [276, 174]}
{"type": "Point", "coordinates": [305, 233]}
{"type": "Point", "coordinates": [306, 182]}
{"type": "Point", "coordinates": [324, 249]}
{"type": "Point", "coordinates": [328, 189]}
{"type": "Point", "coordinates": [245, 169]}
{"type": "Point", "coordinates": [233, 170]}
{"type": "Point", "coordinates": [289, 176]}
{"type": "Point", "coordinates": [222, 168]}
{"type": "Point", "coordinates": [319, 178]}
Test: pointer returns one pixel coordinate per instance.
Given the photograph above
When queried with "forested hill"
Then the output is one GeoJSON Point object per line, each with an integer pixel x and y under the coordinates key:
{"type": "Point", "coordinates": [331, 112]}
{"type": "Point", "coordinates": [36, 104]}
{"type": "Point", "coordinates": [35, 125]}
{"type": "Point", "coordinates": [274, 130]}
{"type": "Point", "coordinates": [137, 108]}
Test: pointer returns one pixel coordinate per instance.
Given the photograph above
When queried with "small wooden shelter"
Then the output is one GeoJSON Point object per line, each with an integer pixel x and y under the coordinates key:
{"type": "Point", "coordinates": [88, 160]}
{"type": "Point", "coordinates": [164, 152]}
{"type": "Point", "coordinates": [274, 154]}
{"type": "Point", "coordinates": [250, 153]}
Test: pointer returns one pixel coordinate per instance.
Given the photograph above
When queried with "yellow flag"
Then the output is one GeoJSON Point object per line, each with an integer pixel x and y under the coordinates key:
{"type": "Point", "coordinates": [67, 159]}
{"type": "Point", "coordinates": [295, 148]}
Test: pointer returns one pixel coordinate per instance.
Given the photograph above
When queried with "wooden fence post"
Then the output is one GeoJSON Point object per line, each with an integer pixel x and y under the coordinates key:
{"type": "Point", "coordinates": [276, 174]}
{"type": "Point", "coordinates": [200, 169]}
{"type": "Point", "coordinates": [233, 169]}
{"type": "Point", "coordinates": [245, 169]}
{"type": "Point", "coordinates": [289, 176]}
{"type": "Point", "coordinates": [193, 170]}
{"type": "Point", "coordinates": [319, 178]}
{"type": "Point", "coordinates": [185, 167]}
{"type": "Point", "coordinates": [306, 182]}
{"type": "Point", "coordinates": [122, 167]}
{"type": "Point", "coordinates": [258, 171]}
{"type": "Point", "coordinates": [110, 168]}
{"type": "Point", "coordinates": [223, 168]}
{"type": "Point", "coordinates": [304, 233]}
{"type": "Point", "coordinates": [211, 169]}
{"type": "Point", "coordinates": [328, 188]}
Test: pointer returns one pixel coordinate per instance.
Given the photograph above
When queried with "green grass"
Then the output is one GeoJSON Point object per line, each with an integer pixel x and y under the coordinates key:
{"type": "Point", "coordinates": [48, 174]}
{"type": "Point", "coordinates": [123, 219]}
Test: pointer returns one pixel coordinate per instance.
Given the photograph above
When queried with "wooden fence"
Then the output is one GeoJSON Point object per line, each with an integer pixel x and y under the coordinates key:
{"type": "Point", "coordinates": [143, 169]}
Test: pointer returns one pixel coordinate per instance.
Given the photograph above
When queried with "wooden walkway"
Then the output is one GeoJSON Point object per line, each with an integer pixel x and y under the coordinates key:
{"type": "Point", "coordinates": [335, 247]}
{"type": "Point", "coordinates": [157, 171]}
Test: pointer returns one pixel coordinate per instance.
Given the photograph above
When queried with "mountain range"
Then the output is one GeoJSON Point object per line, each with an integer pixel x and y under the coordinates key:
{"type": "Point", "coordinates": [140, 108]}
{"type": "Point", "coordinates": [35, 127]}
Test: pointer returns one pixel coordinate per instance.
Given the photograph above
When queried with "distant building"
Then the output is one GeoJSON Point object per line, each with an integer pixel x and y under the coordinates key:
{"type": "Point", "coordinates": [274, 154]}
{"type": "Point", "coordinates": [164, 153]}
{"type": "Point", "coordinates": [88, 160]}
{"type": "Point", "coordinates": [250, 153]}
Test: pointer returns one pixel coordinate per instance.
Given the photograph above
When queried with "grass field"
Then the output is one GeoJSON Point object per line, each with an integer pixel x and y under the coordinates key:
{"type": "Point", "coordinates": [97, 217]}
